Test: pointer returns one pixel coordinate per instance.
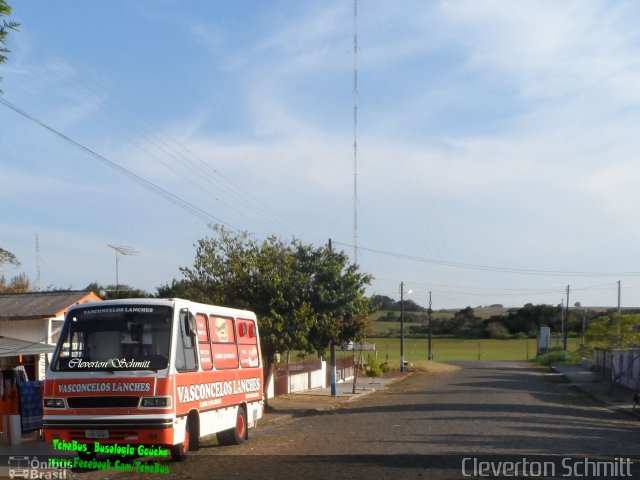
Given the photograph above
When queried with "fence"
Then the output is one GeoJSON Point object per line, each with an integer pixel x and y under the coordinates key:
{"type": "Point", "coordinates": [299, 376]}
{"type": "Point", "coordinates": [309, 374]}
{"type": "Point", "coordinates": [622, 365]}
{"type": "Point", "coordinates": [344, 370]}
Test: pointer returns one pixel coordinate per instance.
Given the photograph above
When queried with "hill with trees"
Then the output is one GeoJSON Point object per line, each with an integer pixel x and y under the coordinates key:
{"type": "Point", "coordinates": [493, 321]}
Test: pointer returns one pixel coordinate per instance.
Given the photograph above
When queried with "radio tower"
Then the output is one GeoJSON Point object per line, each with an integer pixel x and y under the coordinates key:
{"type": "Point", "coordinates": [355, 132]}
{"type": "Point", "coordinates": [37, 264]}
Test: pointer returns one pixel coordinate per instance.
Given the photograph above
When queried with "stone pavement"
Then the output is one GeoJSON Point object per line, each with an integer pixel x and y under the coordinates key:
{"type": "Point", "coordinates": [280, 408]}
{"type": "Point", "coordinates": [311, 401]}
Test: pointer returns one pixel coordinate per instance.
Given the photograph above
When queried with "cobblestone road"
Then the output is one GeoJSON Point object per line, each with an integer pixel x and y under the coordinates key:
{"type": "Point", "coordinates": [487, 420]}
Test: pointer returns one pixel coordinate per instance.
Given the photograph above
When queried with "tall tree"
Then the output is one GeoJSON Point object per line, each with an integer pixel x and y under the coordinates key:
{"type": "Point", "coordinates": [6, 257]}
{"type": "Point", "coordinates": [336, 295]}
{"type": "Point", "coordinates": [381, 302]}
{"type": "Point", "coordinates": [5, 26]}
{"type": "Point", "coordinates": [467, 324]}
{"type": "Point", "coordinates": [18, 284]}
{"type": "Point", "coordinates": [530, 317]}
{"type": "Point", "coordinates": [304, 297]}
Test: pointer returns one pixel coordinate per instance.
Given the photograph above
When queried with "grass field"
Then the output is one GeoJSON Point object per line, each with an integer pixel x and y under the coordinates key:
{"type": "Point", "coordinates": [451, 350]}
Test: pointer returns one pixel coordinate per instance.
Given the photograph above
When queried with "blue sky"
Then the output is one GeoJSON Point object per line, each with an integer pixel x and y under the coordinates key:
{"type": "Point", "coordinates": [491, 134]}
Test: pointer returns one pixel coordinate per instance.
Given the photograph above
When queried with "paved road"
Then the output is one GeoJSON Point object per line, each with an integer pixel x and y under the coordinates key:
{"type": "Point", "coordinates": [499, 416]}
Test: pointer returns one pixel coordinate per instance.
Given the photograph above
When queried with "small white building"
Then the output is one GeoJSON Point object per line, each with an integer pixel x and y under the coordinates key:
{"type": "Point", "coordinates": [30, 324]}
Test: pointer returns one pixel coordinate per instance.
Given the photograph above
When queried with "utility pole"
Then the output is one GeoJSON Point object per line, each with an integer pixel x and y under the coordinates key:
{"type": "Point", "coordinates": [566, 323]}
{"type": "Point", "coordinates": [402, 326]}
{"type": "Point", "coordinates": [619, 319]}
{"type": "Point", "coordinates": [430, 353]}
{"type": "Point", "coordinates": [332, 360]}
{"type": "Point", "coordinates": [561, 318]}
{"type": "Point", "coordinates": [619, 285]}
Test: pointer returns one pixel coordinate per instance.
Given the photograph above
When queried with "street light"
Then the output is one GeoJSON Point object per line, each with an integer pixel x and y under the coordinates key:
{"type": "Point", "coordinates": [402, 324]}
{"type": "Point", "coordinates": [429, 311]}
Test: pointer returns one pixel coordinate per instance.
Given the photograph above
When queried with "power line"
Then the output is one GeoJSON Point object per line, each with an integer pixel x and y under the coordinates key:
{"type": "Point", "coordinates": [180, 202]}
{"type": "Point", "coordinates": [200, 169]}
{"type": "Point", "coordinates": [489, 268]}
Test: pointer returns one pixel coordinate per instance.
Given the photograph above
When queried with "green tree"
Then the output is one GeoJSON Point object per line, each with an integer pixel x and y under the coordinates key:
{"type": "Point", "coordinates": [372, 368]}
{"type": "Point", "coordinates": [529, 318]}
{"type": "Point", "coordinates": [96, 288]}
{"type": "Point", "coordinates": [111, 292]}
{"type": "Point", "coordinates": [336, 294]}
{"type": "Point", "coordinates": [177, 289]}
{"type": "Point", "coordinates": [18, 284]}
{"type": "Point", "coordinates": [6, 257]}
{"type": "Point", "coordinates": [467, 324]}
{"type": "Point", "coordinates": [409, 306]}
{"type": "Point", "coordinates": [304, 297]}
{"type": "Point", "coordinates": [381, 302]}
{"type": "Point", "coordinates": [5, 26]}
{"type": "Point", "coordinates": [614, 332]}
{"type": "Point", "coordinates": [497, 330]}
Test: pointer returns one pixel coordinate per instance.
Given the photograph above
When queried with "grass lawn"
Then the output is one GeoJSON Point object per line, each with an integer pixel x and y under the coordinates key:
{"type": "Point", "coordinates": [450, 350]}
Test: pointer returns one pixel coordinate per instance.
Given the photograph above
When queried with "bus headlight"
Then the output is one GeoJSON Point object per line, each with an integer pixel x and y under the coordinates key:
{"type": "Point", "coordinates": [155, 402]}
{"type": "Point", "coordinates": [53, 403]}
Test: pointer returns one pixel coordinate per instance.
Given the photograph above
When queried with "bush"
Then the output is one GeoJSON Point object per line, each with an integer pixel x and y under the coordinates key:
{"type": "Point", "coordinates": [497, 330]}
{"type": "Point", "coordinates": [372, 368]}
{"type": "Point", "coordinates": [558, 356]}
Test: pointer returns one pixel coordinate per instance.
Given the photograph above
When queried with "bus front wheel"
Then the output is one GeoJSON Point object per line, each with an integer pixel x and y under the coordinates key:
{"type": "Point", "coordinates": [191, 442]}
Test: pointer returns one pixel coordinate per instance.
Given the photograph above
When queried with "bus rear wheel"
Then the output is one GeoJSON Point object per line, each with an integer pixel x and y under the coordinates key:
{"type": "Point", "coordinates": [237, 434]}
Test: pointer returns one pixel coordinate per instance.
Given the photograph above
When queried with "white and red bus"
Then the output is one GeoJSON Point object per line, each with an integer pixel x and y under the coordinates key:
{"type": "Point", "coordinates": [153, 372]}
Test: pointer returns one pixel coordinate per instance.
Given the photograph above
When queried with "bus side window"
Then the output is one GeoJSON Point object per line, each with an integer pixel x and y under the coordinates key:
{"type": "Point", "coordinates": [248, 344]}
{"type": "Point", "coordinates": [204, 344]}
{"type": "Point", "coordinates": [186, 352]}
{"type": "Point", "coordinates": [223, 336]}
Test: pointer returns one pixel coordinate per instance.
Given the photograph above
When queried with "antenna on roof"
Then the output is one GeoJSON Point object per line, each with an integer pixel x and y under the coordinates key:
{"type": "Point", "coordinates": [122, 250]}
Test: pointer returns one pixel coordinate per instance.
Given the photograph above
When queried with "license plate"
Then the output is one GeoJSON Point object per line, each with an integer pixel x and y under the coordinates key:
{"type": "Point", "coordinates": [96, 433]}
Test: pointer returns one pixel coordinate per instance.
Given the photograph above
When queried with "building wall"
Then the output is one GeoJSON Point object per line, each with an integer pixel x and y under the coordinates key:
{"type": "Point", "coordinates": [29, 330]}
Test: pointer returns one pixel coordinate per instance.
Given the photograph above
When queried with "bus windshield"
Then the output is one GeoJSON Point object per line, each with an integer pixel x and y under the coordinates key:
{"type": "Point", "coordinates": [113, 338]}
